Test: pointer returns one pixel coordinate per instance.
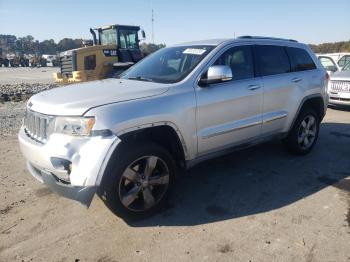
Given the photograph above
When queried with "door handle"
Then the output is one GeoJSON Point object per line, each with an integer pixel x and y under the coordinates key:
{"type": "Point", "coordinates": [296, 79]}
{"type": "Point", "coordinates": [253, 87]}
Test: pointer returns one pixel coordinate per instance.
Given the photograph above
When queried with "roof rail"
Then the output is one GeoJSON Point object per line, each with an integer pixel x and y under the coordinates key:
{"type": "Point", "coordinates": [265, 37]}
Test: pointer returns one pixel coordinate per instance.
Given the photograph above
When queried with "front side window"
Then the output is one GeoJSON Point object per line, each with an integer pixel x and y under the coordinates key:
{"type": "Point", "coordinates": [128, 39]}
{"type": "Point", "coordinates": [300, 59]}
{"type": "Point", "coordinates": [168, 65]}
{"type": "Point", "coordinates": [272, 60]}
{"type": "Point", "coordinates": [240, 60]}
{"type": "Point", "coordinates": [108, 37]}
{"type": "Point", "coordinates": [344, 60]}
{"type": "Point", "coordinates": [346, 67]}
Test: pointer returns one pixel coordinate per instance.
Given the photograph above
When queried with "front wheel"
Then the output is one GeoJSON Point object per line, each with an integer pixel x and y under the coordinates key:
{"type": "Point", "coordinates": [138, 181]}
{"type": "Point", "coordinates": [304, 133]}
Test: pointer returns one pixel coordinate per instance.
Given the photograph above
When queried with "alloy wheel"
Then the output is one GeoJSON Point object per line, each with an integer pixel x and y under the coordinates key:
{"type": "Point", "coordinates": [307, 132]}
{"type": "Point", "coordinates": [144, 183]}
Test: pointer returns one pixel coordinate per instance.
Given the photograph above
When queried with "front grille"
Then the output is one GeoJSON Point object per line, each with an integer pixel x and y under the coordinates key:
{"type": "Point", "coordinates": [36, 125]}
{"type": "Point", "coordinates": [66, 63]}
{"type": "Point", "coordinates": [340, 86]}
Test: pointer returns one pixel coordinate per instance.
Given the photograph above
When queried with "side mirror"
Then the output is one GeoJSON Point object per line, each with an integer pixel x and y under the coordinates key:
{"type": "Point", "coordinates": [332, 68]}
{"type": "Point", "coordinates": [143, 34]}
{"type": "Point", "coordinates": [216, 74]}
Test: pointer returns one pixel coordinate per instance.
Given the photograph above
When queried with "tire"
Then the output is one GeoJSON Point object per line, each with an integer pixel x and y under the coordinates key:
{"type": "Point", "coordinates": [304, 133]}
{"type": "Point", "coordinates": [128, 189]}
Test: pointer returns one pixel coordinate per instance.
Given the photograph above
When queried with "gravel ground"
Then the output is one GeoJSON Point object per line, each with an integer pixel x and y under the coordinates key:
{"type": "Point", "coordinates": [260, 204]}
{"type": "Point", "coordinates": [18, 84]}
{"type": "Point", "coordinates": [11, 115]}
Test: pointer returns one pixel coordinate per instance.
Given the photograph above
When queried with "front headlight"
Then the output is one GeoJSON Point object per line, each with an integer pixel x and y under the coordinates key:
{"type": "Point", "coordinates": [75, 126]}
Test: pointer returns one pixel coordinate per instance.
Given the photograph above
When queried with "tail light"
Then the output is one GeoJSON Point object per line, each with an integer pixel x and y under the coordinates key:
{"type": "Point", "coordinates": [326, 78]}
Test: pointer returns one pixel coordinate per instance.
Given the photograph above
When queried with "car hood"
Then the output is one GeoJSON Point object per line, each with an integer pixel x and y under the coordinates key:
{"type": "Point", "coordinates": [341, 75]}
{"type": "Point", "coordinates": [75, 100]}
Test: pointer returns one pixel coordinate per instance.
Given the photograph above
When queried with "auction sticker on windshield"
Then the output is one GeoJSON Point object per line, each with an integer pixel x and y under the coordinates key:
{"type": "Point", "coordinates": [194, 51]}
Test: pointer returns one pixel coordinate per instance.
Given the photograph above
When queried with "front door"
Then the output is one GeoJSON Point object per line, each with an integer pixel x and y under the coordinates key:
{"type": "Point", "coordinates": [230, 113]}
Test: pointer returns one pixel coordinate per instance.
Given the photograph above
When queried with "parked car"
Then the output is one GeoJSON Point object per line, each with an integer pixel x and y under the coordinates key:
{"type": "Point", "coordinates": [51, 60]}
{"type": "Point", "coordinates": [328, 63]}
{"type": "Point", "coordinates": [128, 138]}
{"type": "Point", "coordinates": [339, 87]}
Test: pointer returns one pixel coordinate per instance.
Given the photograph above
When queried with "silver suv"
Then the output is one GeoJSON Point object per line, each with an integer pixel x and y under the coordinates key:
{"type": "Point", "coordinates": [339, 87]}
{"type": "Point", "coordinates": [127, 138]}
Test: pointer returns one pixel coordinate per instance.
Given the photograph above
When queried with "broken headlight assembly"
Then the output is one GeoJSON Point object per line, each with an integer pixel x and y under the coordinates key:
{"type": "Point", "coordinates": [74, 126]}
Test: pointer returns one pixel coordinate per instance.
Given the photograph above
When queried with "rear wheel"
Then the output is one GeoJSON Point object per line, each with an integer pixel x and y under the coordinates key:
{"type": "Point", "coordinates": [138, 182]}
{"type": "Point", "coordinates": [304, 133]}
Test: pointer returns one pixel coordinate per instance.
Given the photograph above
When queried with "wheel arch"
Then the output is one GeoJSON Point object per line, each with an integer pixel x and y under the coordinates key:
{"type": "Point", "coordinates": [165, 134]}
{"type": "Point", "coordinates": [315, 102]}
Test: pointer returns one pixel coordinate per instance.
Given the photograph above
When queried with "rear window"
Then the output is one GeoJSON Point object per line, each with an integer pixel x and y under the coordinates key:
{"type": "Point", "coordinates": [300, 59]}
{"type": "Point", "coordinates": [272, 60]}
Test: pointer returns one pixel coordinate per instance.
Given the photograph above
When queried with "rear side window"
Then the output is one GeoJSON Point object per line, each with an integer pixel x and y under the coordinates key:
{"type": "Point", "coordinates": [240, 60]}
{"type": "Point", "coordinates": [300, 59]}
{"type": "Point", "coordinates": [272, 60]}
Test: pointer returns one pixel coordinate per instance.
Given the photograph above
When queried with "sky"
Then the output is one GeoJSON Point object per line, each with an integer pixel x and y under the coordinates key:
{"type": "Point", "coordinates": [308, 21]}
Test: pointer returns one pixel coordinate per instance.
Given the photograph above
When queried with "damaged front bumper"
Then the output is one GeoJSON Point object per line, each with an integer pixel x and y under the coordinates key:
{"type": "Point", "coordinates": [70, 166]}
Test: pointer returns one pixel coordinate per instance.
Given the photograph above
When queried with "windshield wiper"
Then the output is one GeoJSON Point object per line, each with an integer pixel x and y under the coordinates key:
{"type": "Point", "coordinates": [140, 78]}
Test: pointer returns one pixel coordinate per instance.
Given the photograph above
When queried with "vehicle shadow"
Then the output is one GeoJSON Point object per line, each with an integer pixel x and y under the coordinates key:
{"type": "Point", "coordinates": [256, 180]}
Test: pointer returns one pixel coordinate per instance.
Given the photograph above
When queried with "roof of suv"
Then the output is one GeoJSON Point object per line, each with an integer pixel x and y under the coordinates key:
{"type": "Point", "coordinates": [216, 42]}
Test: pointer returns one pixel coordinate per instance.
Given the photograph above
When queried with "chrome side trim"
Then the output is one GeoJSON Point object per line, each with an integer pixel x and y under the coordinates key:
{"type": "Point", "coordinates": [274, 117]}
{"type": "Point", "coordinates": [232, 129]}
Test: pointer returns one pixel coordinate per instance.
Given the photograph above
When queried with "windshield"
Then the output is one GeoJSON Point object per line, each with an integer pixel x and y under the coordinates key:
{"type": "Point", "coordinates": [346, 67]}
{"type": "Point", "coordinates": [168, 65]}
{"type": "Point", "coordinates": [108, 37]}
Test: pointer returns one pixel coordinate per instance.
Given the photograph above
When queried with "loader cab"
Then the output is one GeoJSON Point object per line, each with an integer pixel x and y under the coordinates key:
{"type": "Point", "coordinates": [125, 37]}
{"type": "Point", "coordinates": [114, 49]}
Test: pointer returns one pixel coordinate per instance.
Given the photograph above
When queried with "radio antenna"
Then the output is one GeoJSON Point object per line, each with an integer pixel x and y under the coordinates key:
{"type": "Point", "coordinates": [152, 23]}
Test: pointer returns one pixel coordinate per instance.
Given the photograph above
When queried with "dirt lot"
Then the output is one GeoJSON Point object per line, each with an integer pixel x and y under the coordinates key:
{"type": "Point", "coordinates": [9, 75]}
{"type": "Point", "coordinates": [257, 205]}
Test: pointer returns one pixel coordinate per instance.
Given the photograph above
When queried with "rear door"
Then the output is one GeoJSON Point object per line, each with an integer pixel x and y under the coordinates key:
{"type": "Point", "coordinates": [229, 113]}
{"type": "Point", "coordinates": [274, 67]}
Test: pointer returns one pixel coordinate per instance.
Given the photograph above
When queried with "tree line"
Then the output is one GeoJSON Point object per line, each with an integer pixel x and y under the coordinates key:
{"type": "Point", "coordinates": [28, 45]}
{"type": "Point", "coordinates": [335, 47]}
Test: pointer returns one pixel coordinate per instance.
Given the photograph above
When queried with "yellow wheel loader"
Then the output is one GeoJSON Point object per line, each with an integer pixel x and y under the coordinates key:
{"type": "Point", "coordinates": [114, 50]}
